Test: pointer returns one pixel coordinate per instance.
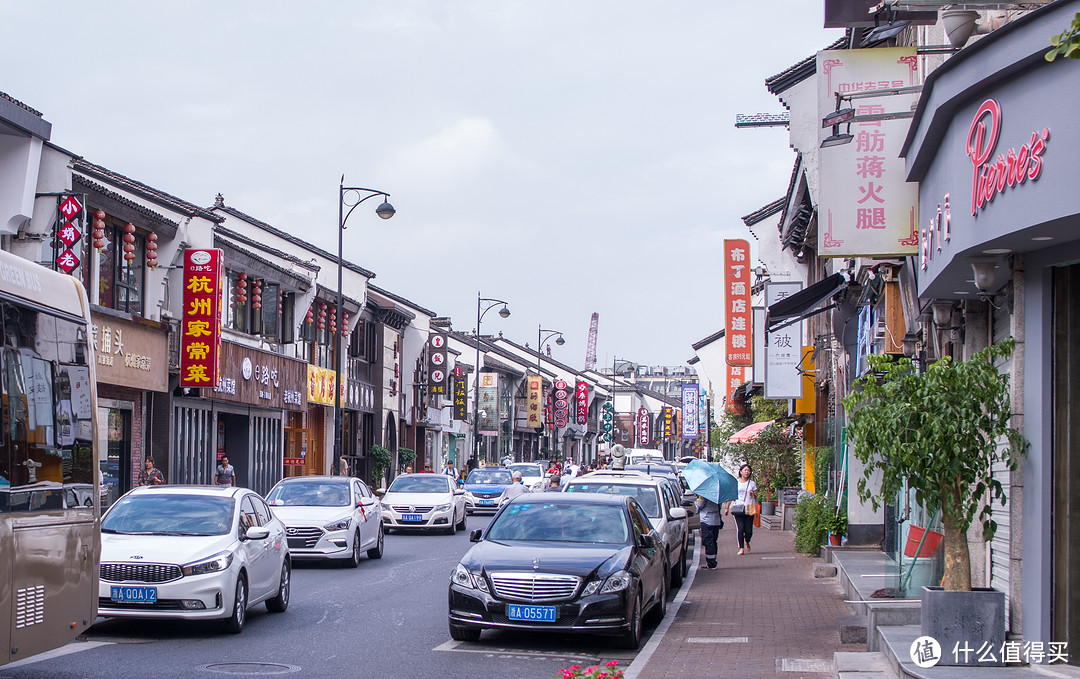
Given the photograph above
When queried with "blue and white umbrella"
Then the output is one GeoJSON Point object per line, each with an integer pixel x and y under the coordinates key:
{"type": "Point", "coordinates": [711, 481]}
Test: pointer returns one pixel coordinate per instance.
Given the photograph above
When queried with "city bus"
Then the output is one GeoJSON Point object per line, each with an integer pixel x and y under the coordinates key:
{"type": "Point", "coordinates": [49, 491]}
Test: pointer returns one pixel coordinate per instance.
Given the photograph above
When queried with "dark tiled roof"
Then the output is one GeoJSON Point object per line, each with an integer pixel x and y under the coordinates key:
{"type": "Point", "coordinates": [137, 207]}
{"type": "Point", "coordinates": [13, 100]}
{"type": "Point", "coordinates": [765, 212]}
{"type": "Point", "coordinates": [801, 71]}
{"type": "Point", "coordinates": [792, 183]}
{"type": "Point", "coordinates": [142, 190]}
{"type": "Point", "coordinates": [399, 298]}
{"type": "Point", "coordinates": [252, 243]}
{"type": "Point", "coordinates": [708, 340]}
{"type": "Point", "coordinates": [292, 239]}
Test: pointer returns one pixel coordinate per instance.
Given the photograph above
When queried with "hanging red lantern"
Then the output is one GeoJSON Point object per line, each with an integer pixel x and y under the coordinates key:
{"type": "Point", "coordinates": [256, 294]}
{"type": "Point", "coordinates": [322, 317]}
{"type": "Point", "coordinates": [241, 288]}
{"type": "Point", "coordinates": [310, 318]}
{"type": "Point", "coordinates": [151, 250]}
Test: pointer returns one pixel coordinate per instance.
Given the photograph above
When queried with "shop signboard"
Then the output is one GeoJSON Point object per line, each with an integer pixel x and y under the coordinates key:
{"type": "Point", "coordinates": [489, 404]}
{"type": "Point", "coordinates": [260, 378]}
{"type": "Point", "coordinates": [643, 430]}
{"type": "Point", "coordinates": [690, 394]}
{"type": "Point", "coordinates": [561, 402]}
{"type": "Point", "coordinates": [581, 403]}
{"type": "Point", "coordinates": [70, 225]}
{"type": "Point", "coordinates": [732, 381]}
{"type": "Point", "coordinates": [437, 364]}
{"type": "Point", "coordinates": [320, 385]}
{"type": "Point", "coordinates": [669, 415]}
{"type": "Point", "coordinates": [533, 402]}
{"type": "Point", "coordinates": [783, 348]}
{"type": "Point", "coordinates": [200, 328]}
{"type": "Point", "coordinates": [461, 399]}
{"type": "Point", "coordinates": [866, 206]}
{"type": "Point", "coordinates": [737, 322]}
{"type": "Point", "coordinates": [130, 354]}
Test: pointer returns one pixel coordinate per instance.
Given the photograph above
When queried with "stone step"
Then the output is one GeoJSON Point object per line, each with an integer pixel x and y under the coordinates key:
{"type": "Point", "coordinates": [862, 665]}
{"type": "Point", "coordinates": [853, 629]}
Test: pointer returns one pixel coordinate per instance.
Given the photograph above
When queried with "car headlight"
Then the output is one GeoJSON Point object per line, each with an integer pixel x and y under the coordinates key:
{"type": "Point", "coordinates": [343, 524]}
{"type": "Point", "coordinates": [469, 496]}
{"type": "Point", "coordinates": [386, 507]}
{"type": "Point", "coordinates": [616, 582]}
{"type": "Point", "coordinates": [463, 578]}
{"type": "Point", "coordinates": [443, 508]}
{"type": "Point", "coordinates": [214, 564]}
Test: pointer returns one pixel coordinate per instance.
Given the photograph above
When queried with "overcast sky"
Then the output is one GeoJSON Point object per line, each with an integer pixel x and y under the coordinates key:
{"type": "Point", "coordinates": [565, 156]}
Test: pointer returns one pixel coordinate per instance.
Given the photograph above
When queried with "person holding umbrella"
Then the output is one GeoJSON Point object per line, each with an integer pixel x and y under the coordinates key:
{"type": "Point", "coordinates": [714, 487]}
{"type": "Point", "coordinates": [740, 508]}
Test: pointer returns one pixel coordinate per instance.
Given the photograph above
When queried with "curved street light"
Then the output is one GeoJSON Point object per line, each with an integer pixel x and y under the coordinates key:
{"type": "Point", "coordinates": [504, 312]}
{"type": "Point", "coordinates": [541, 338]}
{"type": "Point", "coordinates": [348, 197]}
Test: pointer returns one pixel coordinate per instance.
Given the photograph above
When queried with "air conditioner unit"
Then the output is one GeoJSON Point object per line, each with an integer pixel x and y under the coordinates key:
{"type": "Point", "coordinates": [880, 330]}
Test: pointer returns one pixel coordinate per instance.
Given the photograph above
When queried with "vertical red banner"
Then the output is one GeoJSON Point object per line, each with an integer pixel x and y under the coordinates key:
{"type": "Point", "coordinates": [581, 402]}
{"type": "Point", "coordinates": [732, 381]}
{"type": "Point", "coordinates": [200, 329]}
{"type": "Point", "coordinates": [737, 313]}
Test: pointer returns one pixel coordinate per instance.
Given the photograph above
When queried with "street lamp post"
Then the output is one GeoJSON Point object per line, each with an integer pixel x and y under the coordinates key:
{"type": "Point", "coordinates": [480, 313]}
{"type": "Point", "coordinates": [350, 197]}
{"type": "Point", "coordinates": [540, 340]}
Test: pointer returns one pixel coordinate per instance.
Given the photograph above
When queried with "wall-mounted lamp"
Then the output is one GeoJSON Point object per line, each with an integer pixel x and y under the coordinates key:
{"type": "Point", "coordinates": [836, 139]}
{"type": "Point", "coordinates": [943, 312]}
{"type": "Point", "coordinates": [884, 32]}
{"type": "Point", "coordinates": [985, 274]}
{"type": "Point", "coordinates": [840, 115]}
{"type": "Point", "coordinates": [910, 343]}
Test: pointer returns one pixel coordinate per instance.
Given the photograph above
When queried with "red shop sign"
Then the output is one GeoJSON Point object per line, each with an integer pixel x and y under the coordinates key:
{"type": "Point", "coordinates": [200, 330]}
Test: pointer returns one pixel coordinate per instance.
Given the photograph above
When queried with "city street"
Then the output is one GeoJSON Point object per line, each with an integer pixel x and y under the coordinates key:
{"type": "Point", "coordinates": [387, 617]}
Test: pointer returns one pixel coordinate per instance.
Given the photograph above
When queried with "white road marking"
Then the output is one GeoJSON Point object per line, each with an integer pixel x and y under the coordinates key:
{"type": "Point", "coordinates": [72, 647]}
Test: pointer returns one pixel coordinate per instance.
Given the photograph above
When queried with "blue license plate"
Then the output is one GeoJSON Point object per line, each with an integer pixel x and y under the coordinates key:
{"type": "Point", "coordinates": [486, 502]}
{"type": "Point", "coordinates": [531, 613]}
{"type": "Point", "coordinates": [416, 518]}
{"type": "Point", "coordinates": [133, 595]}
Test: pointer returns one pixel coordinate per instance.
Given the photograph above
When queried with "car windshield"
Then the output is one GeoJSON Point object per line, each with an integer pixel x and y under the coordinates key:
{"type": "Point", "coordinates": [526, 469]}
{"type": "Point", "coordinates": [309, 494]}
{"type": "Point", "coordinates": [432, 483]}
{"type": "Point", "coordinates": [170, 515]}
{"type": "Point", "coordinates": [485, 476]}
{"type": "Point", "coordinates": [645, 495]}
{"type": "Point", "coordinates": [554, 522]}
{"type": "Point", "coordinates": [653, 469]}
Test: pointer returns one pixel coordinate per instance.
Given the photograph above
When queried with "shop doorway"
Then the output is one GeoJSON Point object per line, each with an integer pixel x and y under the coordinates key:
{"type": "Point", "coordinates": [233, 439]}
{"type": "Point", "coordinates": [1066, 460]}
{"type": "Point", "coordinates": [115, 463]}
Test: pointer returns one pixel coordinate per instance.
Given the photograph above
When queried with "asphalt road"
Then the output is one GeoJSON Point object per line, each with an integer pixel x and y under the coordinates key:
{"type": "Point", "coordinates": [386, 618]}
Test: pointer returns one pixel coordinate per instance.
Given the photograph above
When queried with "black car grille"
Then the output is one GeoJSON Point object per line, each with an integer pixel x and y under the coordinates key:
{"type": "Point", "coordinates": [534, 586]}
{"type": "Point", "coordinates": [303, 537]}
{"type": "Point", "coordinates": [487, 496]}
{"type": "Point", "coordinates": [140, 572]}
{"type": "Point", "coordinates": [159, 605]}
{"type": "Point", "coordinates": [562, 620]}
{"type": "Point", "coordinates": [406, 509]}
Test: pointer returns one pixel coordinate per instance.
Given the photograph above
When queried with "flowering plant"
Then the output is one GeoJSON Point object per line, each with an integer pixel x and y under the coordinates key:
{"type": "Point", "coordinates": [607, 671]}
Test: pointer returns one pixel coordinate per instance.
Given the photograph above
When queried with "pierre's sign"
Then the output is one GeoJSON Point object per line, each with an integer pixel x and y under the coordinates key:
{"type": "Point", "coordinates": [990, 177]}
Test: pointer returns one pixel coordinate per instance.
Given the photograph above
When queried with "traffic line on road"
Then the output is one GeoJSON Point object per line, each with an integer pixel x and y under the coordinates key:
{"type": "Point", "coordinates": [494, 652]}
{"type": "Point", "coordinates": [804, 665]}
{"type": "Point", "coordinates": [72, 647]}
{"type": "Point", "coordinates": [642, 659]}
{"type": "Point", "coordinates": [717, 640]}
{"type": "Point", "coordinates": [779, 558]}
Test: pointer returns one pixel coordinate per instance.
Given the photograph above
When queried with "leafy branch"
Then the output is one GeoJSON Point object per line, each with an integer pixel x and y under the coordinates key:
{"type": "Point", "coordinates": [1066, 44]}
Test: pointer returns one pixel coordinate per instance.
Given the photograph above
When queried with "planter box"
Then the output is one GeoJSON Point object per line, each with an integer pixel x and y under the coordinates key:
{"type": "Point", "coordinates": [968, 619]}
{"type": "Point", "coordinates": [768, 508]}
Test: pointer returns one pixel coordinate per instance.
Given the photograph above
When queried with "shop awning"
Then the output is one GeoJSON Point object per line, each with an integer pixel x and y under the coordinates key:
{"type": "Point", "coordinates": [749, 433]}
{"type": "Point", "coordinates": [805, 303]}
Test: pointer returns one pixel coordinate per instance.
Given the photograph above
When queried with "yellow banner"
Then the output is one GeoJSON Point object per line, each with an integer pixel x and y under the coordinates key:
{"type": "Point", "coordinates": [321, 385]}
{"type": "Point", "coordinates": [533, 410]}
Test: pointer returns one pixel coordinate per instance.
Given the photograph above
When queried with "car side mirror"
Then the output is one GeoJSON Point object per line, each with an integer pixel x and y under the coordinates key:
{"type": "Point", "coordinates": [475, 535]}
{"type": "Point", "coordinates": [365, 502]}
{"type": "Point", "coordinates": [380, 492]}
{"type": "Point", "coordinates": [459, 491]}
{"type": "Point", "coordinates": [257, 533]}
{"type": "Point", "coordinates": [677, 513]}
{"type": "Point", "coordinates": [648, 540]}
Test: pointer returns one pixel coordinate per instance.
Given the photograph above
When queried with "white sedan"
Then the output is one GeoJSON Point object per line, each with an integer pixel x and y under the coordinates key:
{"type": "Point", "coordinates": [533, 474]}
{"type": "Point", "coordinates": [329, 517]}
{"type": "Point", "coordinates": [192, 552]}
{"type": "Point", "coordinates": [429, 501]}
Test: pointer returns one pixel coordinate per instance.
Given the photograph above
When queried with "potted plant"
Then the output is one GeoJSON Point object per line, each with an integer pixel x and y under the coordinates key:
{"type": "Point", "coordinates": [835, 522]}
{"type": "Point", "coordinates": [941, 432]}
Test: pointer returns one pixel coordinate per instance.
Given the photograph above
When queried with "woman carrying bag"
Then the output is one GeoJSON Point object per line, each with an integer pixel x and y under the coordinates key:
{"type": "Point", "coordinates": [744, 508]}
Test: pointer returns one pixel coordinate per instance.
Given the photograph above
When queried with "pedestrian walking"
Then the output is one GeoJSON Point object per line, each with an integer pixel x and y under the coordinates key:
{"type": "Point", "coordinates": [514, 489]}
{"type": "Point", "coordinates": [743, 508]}
{"type": "Point", "coordinates": [449, 470]}
{"type": "Point", "coordinates": [226, 474]}
{"type": "Point", "coordinates": [711, 523]}
{"type": "Point", "coordinates": [554, 484]}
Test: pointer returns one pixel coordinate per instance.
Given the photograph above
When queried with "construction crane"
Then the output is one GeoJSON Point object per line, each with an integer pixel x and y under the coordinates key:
{"type": "Point", "coordinates": [590, 350]}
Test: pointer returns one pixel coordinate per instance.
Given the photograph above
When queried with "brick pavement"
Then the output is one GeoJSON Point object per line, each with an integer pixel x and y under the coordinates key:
{"type": "Point", "coordinates": [771, 598]}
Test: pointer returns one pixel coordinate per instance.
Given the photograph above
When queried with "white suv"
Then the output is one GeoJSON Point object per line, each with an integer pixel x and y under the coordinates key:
{"type": "Point", "coordinates": [660, 504]}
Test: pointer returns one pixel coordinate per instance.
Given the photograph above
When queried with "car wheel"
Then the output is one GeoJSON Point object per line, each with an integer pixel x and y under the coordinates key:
{"type": "Point", "coordinates": [659, 608]}
{"type": "Point", "coordinates": [279, 603]}
{"type": "Point", "coordinates": [354, 558]}
{"type": "Point", "coordinates": [632, 639]}
{"type": "Point", "coordinates": [235, 623]}
{"type": "Point", "coordinates": [459, 633]}
{"type": "Point", "coordinates": [686, 560]}
{"type": "Point", "coordinates": [377, 551]}
{"type": "Point", "coordinates": [677, 570]}
{"type": "Point", "coordinates": [462, 526]}
{"type": "Point", "coordinates": [452, 528]}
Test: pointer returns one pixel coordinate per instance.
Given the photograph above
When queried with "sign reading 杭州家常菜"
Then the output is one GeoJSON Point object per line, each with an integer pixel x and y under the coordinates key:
{"type": "Point", "coordinates": [200, 328]}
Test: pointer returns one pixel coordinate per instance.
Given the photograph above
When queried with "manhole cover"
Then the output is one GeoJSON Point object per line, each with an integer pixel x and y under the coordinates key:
{"type": "Point", "coordinates": [249, 668]}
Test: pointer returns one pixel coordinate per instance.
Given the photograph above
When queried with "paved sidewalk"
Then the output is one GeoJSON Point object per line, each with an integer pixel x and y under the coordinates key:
{"type": "Point", "coordinates": [759, 615]}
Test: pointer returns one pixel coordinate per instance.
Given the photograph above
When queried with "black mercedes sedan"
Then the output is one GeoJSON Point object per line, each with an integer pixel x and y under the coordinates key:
{"type": "Point", "coordinates": [562, 562]}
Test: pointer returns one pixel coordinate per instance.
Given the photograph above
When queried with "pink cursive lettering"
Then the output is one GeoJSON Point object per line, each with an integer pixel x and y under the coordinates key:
{"type": "Point", "coordinates": [990, 177]}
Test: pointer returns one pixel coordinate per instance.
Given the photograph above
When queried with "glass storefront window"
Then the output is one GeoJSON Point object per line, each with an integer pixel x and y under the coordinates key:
{"type": "Point", "coordinates": [115, 439]}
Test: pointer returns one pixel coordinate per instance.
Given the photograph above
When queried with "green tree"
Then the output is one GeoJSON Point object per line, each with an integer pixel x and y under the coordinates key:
{"type": "Point", "coordinates": [1066, 44]}
{"type": "Point", "coordinates": [775, 458]}
{"type": "Point", "coordinates": [941, 432]}
{"type": "Point", "coordinates": [405, 458]}
{"type": "Point", "coordinates": [381, 458]}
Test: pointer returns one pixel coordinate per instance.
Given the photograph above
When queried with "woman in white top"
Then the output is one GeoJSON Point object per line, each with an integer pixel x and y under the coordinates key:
{"type": "Point", "coordinates": [744, 522]}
